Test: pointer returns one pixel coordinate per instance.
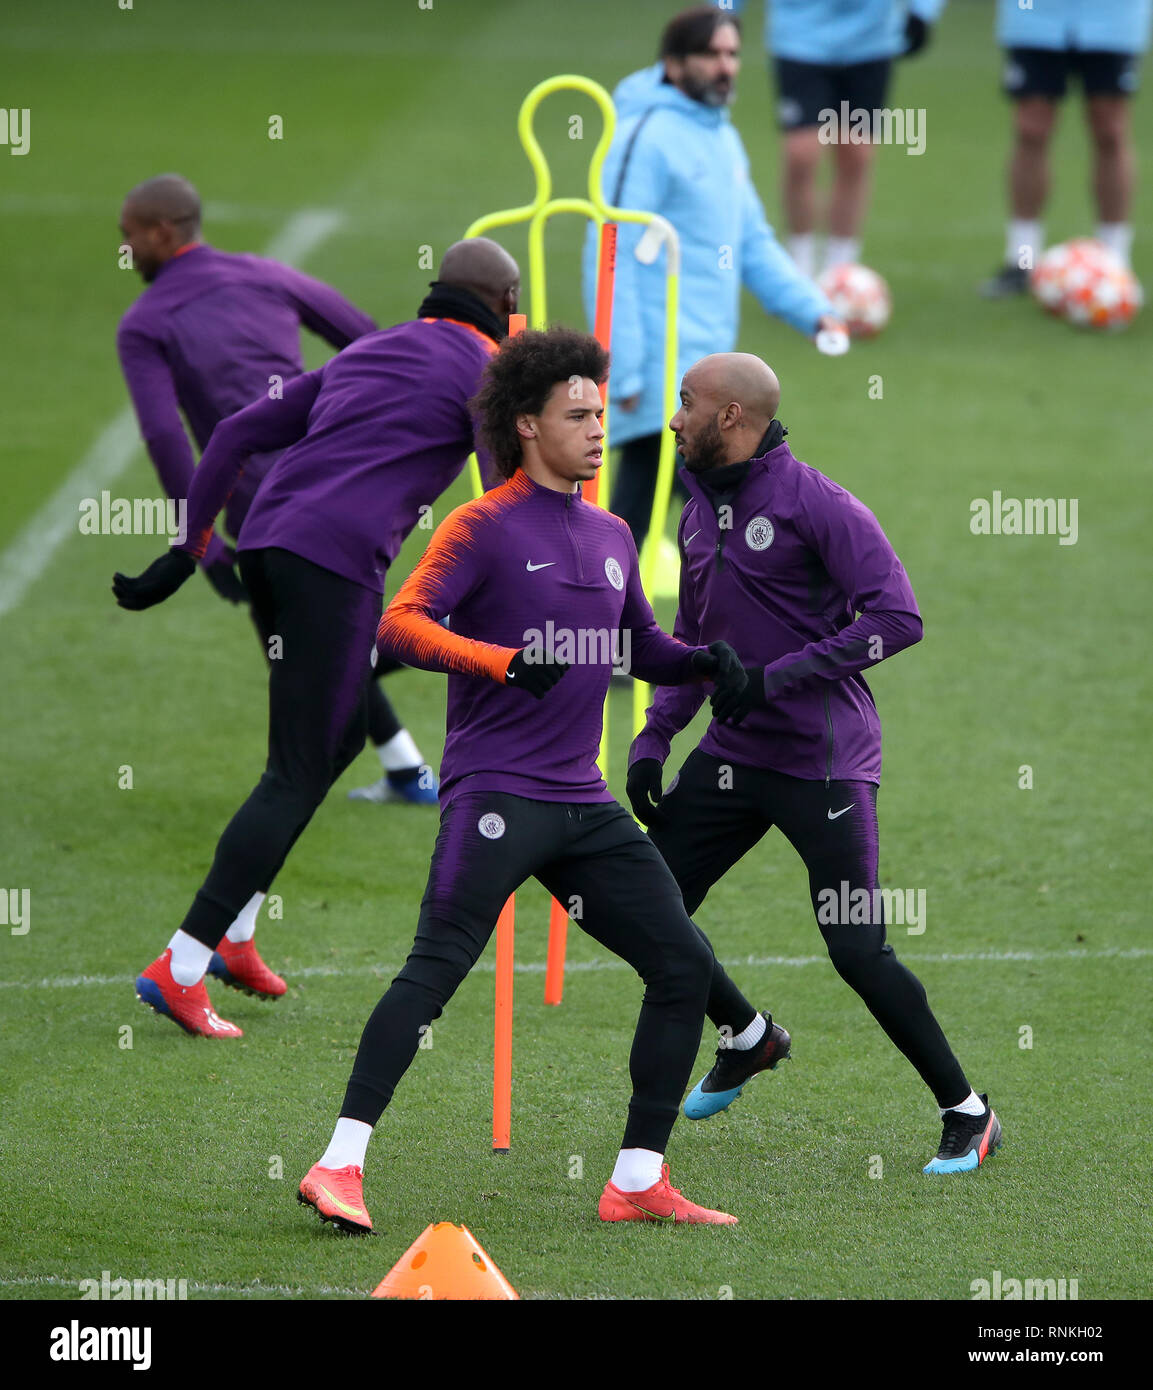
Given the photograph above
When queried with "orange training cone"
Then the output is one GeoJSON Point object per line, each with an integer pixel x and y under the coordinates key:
{"type": "Point", "coordinates": [445, 1261]}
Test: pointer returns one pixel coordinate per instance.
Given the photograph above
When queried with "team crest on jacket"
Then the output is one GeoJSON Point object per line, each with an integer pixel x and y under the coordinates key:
{"type": "Point", "coordinates": [614, 574]}
{"type": "Point", "coordinates": [491, 826]}
{"type": "Point", "coordinates": [759, 533]}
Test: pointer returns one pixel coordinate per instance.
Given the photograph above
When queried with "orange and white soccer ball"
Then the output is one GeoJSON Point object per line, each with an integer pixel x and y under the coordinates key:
{"type": "Point", "coordinates": [859, 297]}
{"type": "Point", "coordinates": [1084, 283]}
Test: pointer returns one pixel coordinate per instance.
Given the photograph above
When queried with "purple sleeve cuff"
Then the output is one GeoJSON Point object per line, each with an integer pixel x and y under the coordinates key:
{"type": "Point", "coordinates": [649, 744]}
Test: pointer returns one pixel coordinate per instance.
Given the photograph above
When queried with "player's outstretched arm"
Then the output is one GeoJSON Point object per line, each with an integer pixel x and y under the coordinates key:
{"type": "Point", "coordinates": [267, 424]}
{"type": "Point", "coordinates": [451, 567]}
{"type": "Point", "coordinates": [148, 377]}
{"type": "Point", "coordinates": [770, 273]}
{"type": "Point", "coordinates": [861, 562]}
{"type": "Point", "coordinates": [675, 705]}
{"type": "Point", "coordinates": [322, 310]}
{"type": "Point", "coordinates": [259, 428]}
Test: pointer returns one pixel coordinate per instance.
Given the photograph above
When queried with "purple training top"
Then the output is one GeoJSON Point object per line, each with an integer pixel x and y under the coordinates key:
{"type": "Point", "coordinates": [528, 566]}
{"type": "Point", "coordinates": [369, 439]}
{"type": "Point", "coordinates": [782, 576]}
{"type": "Point", "coordinates": [205, 338]}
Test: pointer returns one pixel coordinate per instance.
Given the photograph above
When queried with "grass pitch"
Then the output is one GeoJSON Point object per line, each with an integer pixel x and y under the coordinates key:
{"type": "Point", "coordinates": [172, 1158]}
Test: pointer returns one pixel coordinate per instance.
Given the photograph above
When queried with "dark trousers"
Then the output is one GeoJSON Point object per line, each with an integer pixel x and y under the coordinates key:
{"type": "Point", "coordinates": [596, 862]}
{"type": "Point", "coordinates": [635, 484]}
{"type": "Point", "coordinates": [717, 812]}
{"type": "Point", "coordinates": [318, 630]}
{"type": "Point", "coordinates": [382, 721]}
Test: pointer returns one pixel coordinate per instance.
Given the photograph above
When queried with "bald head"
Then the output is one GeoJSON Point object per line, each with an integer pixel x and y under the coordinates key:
{"type": "Point", "coordinates": [741, 379]}
{"type": "Point", "coordinates": [165, 198]}
{"type": "Point", "coordinates": [486, 269]}
{"type": "Point", "coordinates": [159, 216]}
{"type": "Point", "coordinates": [728, 401]}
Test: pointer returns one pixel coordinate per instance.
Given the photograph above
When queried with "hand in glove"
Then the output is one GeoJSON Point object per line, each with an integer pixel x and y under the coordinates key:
{"type": "Point", "coordinates": [159, 581]}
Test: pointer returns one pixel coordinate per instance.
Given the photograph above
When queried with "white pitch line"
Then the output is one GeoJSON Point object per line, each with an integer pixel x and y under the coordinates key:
{"type": "Point", "coordinates": [69, 204]}
{"type": "Point", "coordinates": [586, 966]}
{"type": "Point", "coordinates": [27, 556]}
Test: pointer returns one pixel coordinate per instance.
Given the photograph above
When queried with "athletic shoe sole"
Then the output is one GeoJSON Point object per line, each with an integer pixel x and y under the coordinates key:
{"type": "Point", "coordinates": [350, 1228]}
{"type": "Point", "coordinates": [148, 992]}
{"type": "Point", "coordinates": [702, 1105]}
{"type": "Point", "coordinates": [219, 971]}
{"type": "Point", "coordinates": [973, 1159]}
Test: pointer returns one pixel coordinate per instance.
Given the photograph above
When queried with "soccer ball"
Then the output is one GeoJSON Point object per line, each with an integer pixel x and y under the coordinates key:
{"type": "Point", "coordinates": [859, 297]}
{"type": "Point", "coordinates": [1084, 283]}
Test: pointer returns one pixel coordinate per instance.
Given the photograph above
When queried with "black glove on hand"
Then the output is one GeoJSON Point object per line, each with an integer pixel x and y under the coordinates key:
{"type": "Point", "coordinates": [226, 580]}
{"type": "Point", "coordinates": [731, 705]}
{"type": "Point", "coordinates": [916, 35]}
{"type": "Point", "coordinates": [162, 578]}
{"type": "Point", "coordinates": [721, 665]}
{"type": "Point", "coordinates": [536, 678]}
{"type": "Point", "coordinates": [643, 789]}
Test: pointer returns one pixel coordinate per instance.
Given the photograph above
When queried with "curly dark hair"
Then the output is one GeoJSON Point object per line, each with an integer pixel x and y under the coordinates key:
{"type": "Point", "coordinates": [519, 380]}
{"type": "Point", "coordinates": [692, 31]}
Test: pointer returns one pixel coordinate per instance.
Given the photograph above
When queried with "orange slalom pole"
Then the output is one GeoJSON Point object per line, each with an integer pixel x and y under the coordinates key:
{"type": "Point", "coordinates": [603, 321]}
{"type": "Point", "coordinates": [505, 935]}
{"type": "Point", "coordinates": [502, 1031]}
{"type": "Point", "coordinates": [603, 327]}
{"type": "Point", "coordinates": [557, 944]}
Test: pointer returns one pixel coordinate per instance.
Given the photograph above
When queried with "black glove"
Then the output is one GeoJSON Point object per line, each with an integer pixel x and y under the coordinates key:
{"type": "Point", "coordinates": [721, 665]}
{"type": "Point", "coordinates": [225, 579]}
{"type": "Point", "coordinates": [534, 677]}
{"type": "Point", "coordinates": [161, 579]}
{"type": "Point", "coordinates": [731, 705]}
{"type": "Point", "coordinates": [916, 35]}
{"type": "Point", "coordinates": [643, 789]}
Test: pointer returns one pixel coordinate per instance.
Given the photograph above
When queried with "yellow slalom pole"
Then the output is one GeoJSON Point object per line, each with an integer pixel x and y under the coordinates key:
{"type": "Point", "coordinates": [658, 232]}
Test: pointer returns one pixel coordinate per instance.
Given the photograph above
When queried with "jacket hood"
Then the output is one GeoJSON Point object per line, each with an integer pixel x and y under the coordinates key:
{"type": "Point", "coordinates": [643, 90]}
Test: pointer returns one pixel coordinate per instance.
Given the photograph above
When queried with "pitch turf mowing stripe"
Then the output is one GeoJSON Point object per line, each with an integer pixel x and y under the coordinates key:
{"type": "Point", "coordinates": [257, 1289]}
{"type": "Point", "coordinates": [583, 967]}
{"type": "Point", "coordinates": [28, 556]}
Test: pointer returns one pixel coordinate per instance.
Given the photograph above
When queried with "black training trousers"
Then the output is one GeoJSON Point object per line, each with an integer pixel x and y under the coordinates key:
{"type": "Point", "coordinates": [717, 811]}
{"type": "Point", "coordinates": [594, 860]}
{"type": "Point", "coordinates": [319, 630]}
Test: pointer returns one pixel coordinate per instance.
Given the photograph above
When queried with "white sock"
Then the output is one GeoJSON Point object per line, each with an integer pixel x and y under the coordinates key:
{"type": "Point", "coordinates": [189, 959]}
{"type": "Point", "coordinates": [1023, 244]}
{"type": "Point", "coordinates": [802, 248]}
{"type": "Point", "coordinates": [1118, 237]}
{"type": "Point", "coordinates": [971, 1105]}
{"type": "Point", "coordinates": [399, 753]}
{"type": "Point", "coordinates": [348, 1144]}
{"type": "Point", "coordinates": [244, 928]}
{"type": "Point", "coordinates": [842, 250]}
{"type": "Point", "coordinates": [637, 1169]}
{"type": "Point", "coordinates": [750, 1036]}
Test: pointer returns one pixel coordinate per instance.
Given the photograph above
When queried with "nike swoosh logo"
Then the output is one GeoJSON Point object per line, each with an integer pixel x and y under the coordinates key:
{"type": "Point", "coordinates": [695, 534]}
{"type": "Point", "coordinates": [528, 564]}
{"type": "Point", "coordinates": [665, 1220]}
{"type": "Point", "coordinates": [336, 1202]}
{"type": "Point", "coordinates": [834, 814]}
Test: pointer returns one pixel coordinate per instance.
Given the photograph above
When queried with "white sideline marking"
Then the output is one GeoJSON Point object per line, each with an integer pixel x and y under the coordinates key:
{"type": "Point", "coordinates": [55, 1282]}
{"type": "Point", "coordinates": [27, 556]}
{"type": "Point", "coordinates": [70, 204]}
{"type": "Point", "coordinates": [581, 967]}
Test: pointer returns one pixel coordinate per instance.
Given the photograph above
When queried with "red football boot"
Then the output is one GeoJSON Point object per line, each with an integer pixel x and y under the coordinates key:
{"type": "Point", "coordinates": [238, 965]}
{"type": "Point", "coordinates": [187, 1005]}
{"type": "Point", "coordinates": [661, 1203]}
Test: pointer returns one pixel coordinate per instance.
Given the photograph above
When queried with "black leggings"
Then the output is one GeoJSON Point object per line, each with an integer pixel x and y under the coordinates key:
{"type": "Point", "coordinates": [597, 863]}
{"type": "Point", "coordinates": [318, 631]}
{"type": "Point", "coordinates": [718, 811]}
{"type": "Point", "coordinates": [383, 723]}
